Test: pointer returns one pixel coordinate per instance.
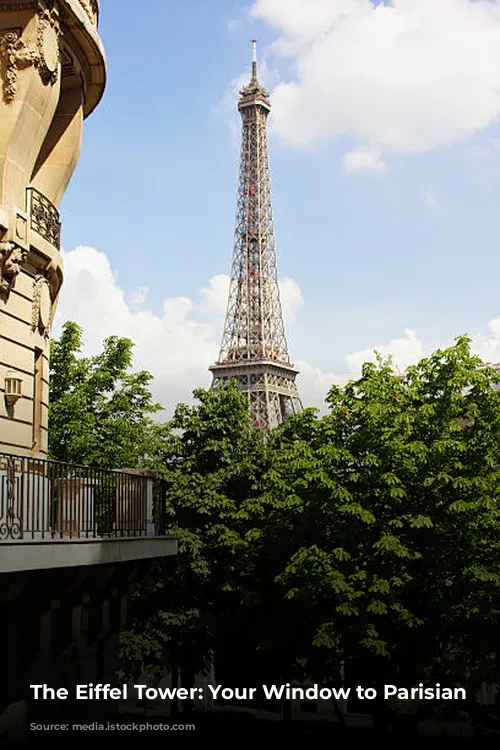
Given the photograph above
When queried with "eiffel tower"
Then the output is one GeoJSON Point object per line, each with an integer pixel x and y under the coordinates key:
{"type": "Point", "coordinates": [254, 349]}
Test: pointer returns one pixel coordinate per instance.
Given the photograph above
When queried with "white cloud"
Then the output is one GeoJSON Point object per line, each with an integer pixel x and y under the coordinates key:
{"type": "Point", "coordinates": [304, 20]}
{"type": "Point", "coordinates": [291, 299]}
{"type": "Point", "coordinates": [403, 351]}
{"type": "Point", "coordinates": [138, 298]}
{"type": "Point", "coordinates": [399, 77]}
{"type": "Point", "coordinates": [362, 160]}
{"type": "Point", "coordinates": [226, 107]}
{"type": "Point", "coordinates": [215, 295]}
{"type": "Point", "coordinates": [488, 347]}
{"type": "Point", "coordinates": [177, 345]}
{"type": "Point", "coordinates": [173, 344]}
{"type": "Point", "coordinates": [314, 383]}
{"type": "Point", "coordinates": [180, 342]}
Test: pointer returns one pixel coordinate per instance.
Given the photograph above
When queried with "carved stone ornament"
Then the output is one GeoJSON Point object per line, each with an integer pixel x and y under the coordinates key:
{"type": "Point", "coordinates": [42, 306]}
{"type": "Point", "coordinates": [16, 55]}
{"type": "Point", "coordinates": [12, 258]}
{"type": "Point", "coordinates": [47, 56]}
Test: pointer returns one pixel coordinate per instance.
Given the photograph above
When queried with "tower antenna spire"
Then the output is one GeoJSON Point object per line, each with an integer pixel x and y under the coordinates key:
{"type": "Point", "coordinates": [254, 59]}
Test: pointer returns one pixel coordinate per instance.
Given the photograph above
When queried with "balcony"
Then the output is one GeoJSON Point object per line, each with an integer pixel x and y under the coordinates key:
{"type": "Point", "coordinates": [44, 217]}
{"type": "Point", "coordinates": [55, 514]}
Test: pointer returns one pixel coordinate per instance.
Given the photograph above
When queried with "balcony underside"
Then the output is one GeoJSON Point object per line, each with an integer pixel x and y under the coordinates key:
{"type": "Point", "coordinates": [23, 556]}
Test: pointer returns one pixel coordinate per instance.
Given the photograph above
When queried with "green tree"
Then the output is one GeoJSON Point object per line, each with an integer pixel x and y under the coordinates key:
{"type": "Point", "coordinates": [383, 517]}
{"type": "Point", "coordinates": [100, 413]}
{"type": "Point", "coordinates": [369, 535]}
{"type": "Point", "coordinates": [212, 464]}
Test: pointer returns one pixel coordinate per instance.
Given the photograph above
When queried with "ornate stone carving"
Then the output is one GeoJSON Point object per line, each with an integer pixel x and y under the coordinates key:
{"type": "Point", "coordinates": [42, 306]}
{"type": "Point", "coordinates": [47, 54]}
{"type": "Point", "coordinates": [12, 258]}
{"type": "Point", "coordinates": [16, 55]}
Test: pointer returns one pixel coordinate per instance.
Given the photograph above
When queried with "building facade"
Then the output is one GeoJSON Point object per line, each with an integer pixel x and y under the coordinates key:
{"type": "Point", "coordinates": [53, 77]}
{"type": "Point", "coordinates": [73, 540]}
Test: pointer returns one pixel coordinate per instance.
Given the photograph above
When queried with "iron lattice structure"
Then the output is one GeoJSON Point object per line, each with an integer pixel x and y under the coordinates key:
{"type": "Point", "coordinates": [254, 349]}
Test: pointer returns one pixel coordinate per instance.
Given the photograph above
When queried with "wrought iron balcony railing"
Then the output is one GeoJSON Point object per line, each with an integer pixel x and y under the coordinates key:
{"type": "Point", "coordinates": [44, 217]}
{"type": "Point", "coordinates": [47, 500]}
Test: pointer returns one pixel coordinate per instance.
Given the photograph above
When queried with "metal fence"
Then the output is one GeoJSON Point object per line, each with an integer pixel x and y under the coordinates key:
{"type": "Point", "coordinates": [42, 499]}
{"type": "Point", "coordinates": [44, 217]}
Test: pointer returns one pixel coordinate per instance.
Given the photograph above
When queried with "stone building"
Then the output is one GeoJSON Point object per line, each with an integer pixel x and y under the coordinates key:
{"type": "Point", "coordinates": [53, 77]}
{"type": "Point", "coordinates": [72, 540]}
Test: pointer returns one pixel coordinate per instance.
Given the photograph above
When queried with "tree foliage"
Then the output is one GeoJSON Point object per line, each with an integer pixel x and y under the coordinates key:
{"type": "Point", "coordinates": [100, 413]}
{"type": "Point", "coordinates": [391, 507]}
{"type": "Point", "coordinates": [368, 536]}
{"type": "Point", "coordinates": [211, 463]}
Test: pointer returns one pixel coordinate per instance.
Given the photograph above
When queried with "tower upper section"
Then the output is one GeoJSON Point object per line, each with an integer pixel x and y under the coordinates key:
{"type": "Point", "coordinates": [254, 94]}
{"type": "Point", "coordinates": [254, 324]}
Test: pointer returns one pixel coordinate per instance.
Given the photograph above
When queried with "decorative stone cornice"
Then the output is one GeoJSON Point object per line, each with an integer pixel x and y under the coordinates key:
{"type": "Point", "coordinates": [91, 7]}
{"type": "Point", "coordinates": [80, 36]}
{"type": "Point", "coordinates": [12, 258]}
{"type": "Point", "coordinates": [15, 55]}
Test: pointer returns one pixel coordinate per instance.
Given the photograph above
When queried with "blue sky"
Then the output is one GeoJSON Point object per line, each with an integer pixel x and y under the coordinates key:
{"type": "Point", "coordinates": [385, 155]}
